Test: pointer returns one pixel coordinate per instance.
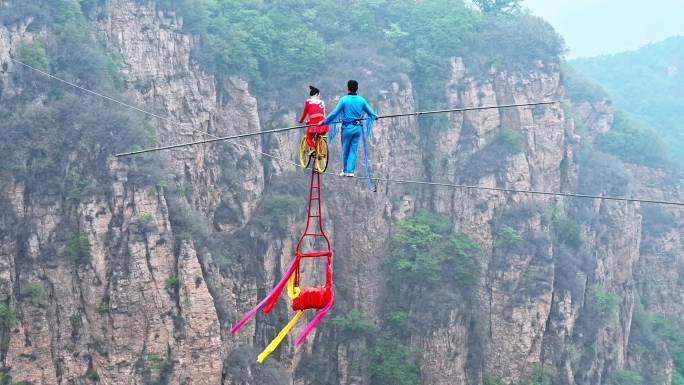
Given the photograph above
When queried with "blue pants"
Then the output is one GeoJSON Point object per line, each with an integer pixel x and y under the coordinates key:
{"type": "Point", "coordinates": [350, 143]}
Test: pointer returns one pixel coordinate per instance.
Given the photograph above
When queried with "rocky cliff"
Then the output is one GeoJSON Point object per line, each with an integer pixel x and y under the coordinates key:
{"type": "Point", "coordinates": [171, 265]}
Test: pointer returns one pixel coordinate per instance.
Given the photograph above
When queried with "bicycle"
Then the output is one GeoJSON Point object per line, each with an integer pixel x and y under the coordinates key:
{"type": "Point", "coordinates": [320, 153]}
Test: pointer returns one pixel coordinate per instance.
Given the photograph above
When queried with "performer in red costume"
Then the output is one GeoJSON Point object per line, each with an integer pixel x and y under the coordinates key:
{"type": "Point", "coordinates": [315, 108]}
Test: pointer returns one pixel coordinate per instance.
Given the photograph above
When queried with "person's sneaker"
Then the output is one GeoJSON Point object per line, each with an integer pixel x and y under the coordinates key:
{"type": "Point", "coordinates": [342, 173]}
{"type": "Point", "coordinates": [349, 174]}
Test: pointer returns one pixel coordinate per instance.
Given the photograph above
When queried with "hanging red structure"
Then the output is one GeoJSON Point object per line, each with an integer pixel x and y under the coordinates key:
{"type": "Point", "coordinates": [319, 298]}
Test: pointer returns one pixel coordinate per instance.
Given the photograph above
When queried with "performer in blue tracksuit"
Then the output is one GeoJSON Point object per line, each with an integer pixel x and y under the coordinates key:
{"type": "Point", "coordinates": [350, 111]}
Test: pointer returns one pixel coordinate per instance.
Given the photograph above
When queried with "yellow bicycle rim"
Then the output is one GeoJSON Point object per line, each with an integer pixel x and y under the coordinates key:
{"type": "Point", "coordinates": [321, 160]}
{"type": "Point", "coordinates": [304, 158]}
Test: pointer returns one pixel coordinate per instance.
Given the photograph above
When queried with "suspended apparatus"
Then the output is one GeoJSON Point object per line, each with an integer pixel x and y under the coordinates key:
{"type": "Point", "coordinates": [319, 298]}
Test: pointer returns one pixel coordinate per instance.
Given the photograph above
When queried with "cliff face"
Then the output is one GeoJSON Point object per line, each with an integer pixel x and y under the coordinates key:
{"type": "Point", "coordinates": [153, 303]}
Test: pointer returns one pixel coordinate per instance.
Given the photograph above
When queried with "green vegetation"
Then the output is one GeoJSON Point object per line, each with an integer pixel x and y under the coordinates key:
{"type": "Point", "coordinates": [33, 53]}
{"type": "Point", "coordinates": [540, 376]}
{"type": "Point", "coordinates": [677, 378]}
{"type": "Point", "coordinates": [632, 142]}
{"type": "Point", "coordinates": [158, 363]}
{"type": "Point", "coordinates": [103, 309]}
{"type": "Point", "coordinates": [354, 323]}
{"type": "Point", "coordinates": [492, 381]}
{"type": "Point", "coordinates": [173, 282]}
{"type": "Point", "coordinates": [152, 192]}
{"type": "Point", "coordinates": [92, 375]}
{"type": "Point", "coordinates": [627, 377]}
{"type": "Point", "coordinates": [650, 332]}
{"type": "Point", "coordinates": [142, 225]}
{"type": "Point", "coordinates": [511, 140]}
{"type": "Point", "coordinates": [426, 252]}
{"type": "Point", "coordinates": [276, 211]}
{"type": "Point", "coordinates": [393, 363]}
{"type": "Point", "coordinates": [655, 74]}
{"type": "Point", "coordinates": [507, 236]}
{"type": "Point", "coordinates": [671, 331]}
{"type": "Point", "coordinates": [254, 39]}
{"type": "Point", "coordinates": [603, 305]}
{"type": "Point", "coordinates": [579, 87]}
{"type": "Point", "coordinates": [497, 6]}
{"type": "Point", "coordinates": [150, 133]}
{"type": "Point", "coordinates": [601, 173]}
{"type": "Point", "coordinates": [78, 249]}
{"type": "Point", "coordinates": [35, 292]}
{"type": "Point", "coordinates": [657, 221]}
{"type": "Point", "coordinates": [565, 231]}
{"type": "Point", "coordinates": [567, 250]}
{"type": "Point", "coordinates": [65, 151]}
{"type": "Point", "coordinates": [8, 317]}
{"type": "Point", "coordinates": [114, 63]}
{"type": "Point", "coordinates": [75, 322]}
{"type": "Point", "coordinates": [397, 319]}
{"type": "Point", "coordinates": [74, 185]}
{"type": "Point", "coordinates": [290, 39]}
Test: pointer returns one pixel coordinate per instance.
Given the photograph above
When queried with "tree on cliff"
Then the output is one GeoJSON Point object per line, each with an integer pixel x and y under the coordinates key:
{"type": "Point", "coordinates": [497, 6]}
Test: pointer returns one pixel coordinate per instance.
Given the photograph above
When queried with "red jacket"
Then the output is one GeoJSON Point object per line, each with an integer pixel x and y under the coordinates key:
{"type": "Point", "coordinates": [315, 108]}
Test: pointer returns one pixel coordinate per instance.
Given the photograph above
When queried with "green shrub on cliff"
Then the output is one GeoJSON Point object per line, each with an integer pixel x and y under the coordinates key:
{"type": "Point", "coordinates": [565, 230]}
{"type": "Point", "coordinates": [677, 378]}
{"type": "Point", "coordinates": [425, 251]}
{"type": "Point", "coordinates": [603, 305]}
{"type": "Point", "coordinates": [78, 249]}
{"type": "Point", "coordinates": [354, 323]}
{"type": "Point", "coordinates": [35, 292]}
{"type": "Point", "coordinates": [507, 236]}
{"type": "Point", "coordinates": [33, 53]}
{"type": "Point", "coordinates": [393, 363]}
{"type": "Point", "coordinates": [580, 87]}
{"type": "Point", "coordinates": [633, 142]}
{"type": "Point", "coordinates": [511, 140]}
{"type": "Point", "coordinates": [627, 377]}
{"type": "Point", "coordinates": [492, 381]}
{"type": "Point", "coordinates": [540, 376]}
{"type": "Point", "coordinates": [8, 317]}
{"type": "Point", "coordinates": [602, 173]}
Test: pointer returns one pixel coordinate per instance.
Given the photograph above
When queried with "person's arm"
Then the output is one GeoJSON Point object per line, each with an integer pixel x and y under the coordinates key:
{"type": "Point", "coordinates": [305, 112]}
{"type": "Point", "coordinates": [369, 110]}
{"type": "Point", "coordinates": [333, 115]}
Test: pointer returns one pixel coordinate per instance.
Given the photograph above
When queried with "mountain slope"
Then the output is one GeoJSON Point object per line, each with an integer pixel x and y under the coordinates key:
{"type": "Point", "coordinates": [648, 83]}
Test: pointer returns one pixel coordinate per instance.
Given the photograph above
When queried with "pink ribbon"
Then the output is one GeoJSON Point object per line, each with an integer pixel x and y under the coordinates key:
{"type": "Point", "coordinates": [314, 322]}
{"type": "Point", "coordinates": [276, 290]}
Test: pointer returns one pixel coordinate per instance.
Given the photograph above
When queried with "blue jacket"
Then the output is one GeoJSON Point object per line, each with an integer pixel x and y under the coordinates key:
{"type": "Point", "coordinates": [350, 109]}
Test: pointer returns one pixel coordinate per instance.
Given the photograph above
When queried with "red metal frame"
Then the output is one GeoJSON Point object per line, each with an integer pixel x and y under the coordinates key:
{"type": "Point", "coordinates": [318, 298]}
{"type": "Point", "coordinates": [313, 211]}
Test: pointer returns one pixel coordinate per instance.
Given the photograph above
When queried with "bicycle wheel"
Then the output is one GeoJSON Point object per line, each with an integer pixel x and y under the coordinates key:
{"type": "Point", "coordinates": [304, 158]}
{"type": "Point", "coordinates": [321, 157]}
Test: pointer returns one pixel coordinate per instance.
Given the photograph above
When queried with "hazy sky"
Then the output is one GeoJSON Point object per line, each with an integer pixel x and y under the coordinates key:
{"type": "Point", "coordinates": [595, 27]}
